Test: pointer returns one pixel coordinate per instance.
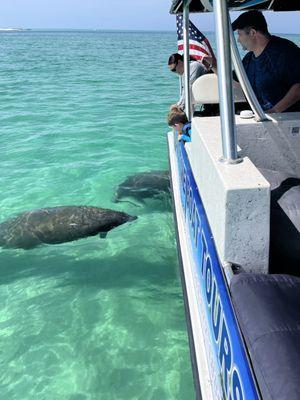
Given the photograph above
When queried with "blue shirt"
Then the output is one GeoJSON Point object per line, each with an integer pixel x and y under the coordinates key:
{"type": "Point", "coordinates": [274, 72]}
{"type": "Point", "coordinates": [186, 133]}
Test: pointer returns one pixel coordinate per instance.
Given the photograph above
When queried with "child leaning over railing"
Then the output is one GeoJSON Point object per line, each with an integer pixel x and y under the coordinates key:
{"type": "Point", "coordinates": [177, 119]}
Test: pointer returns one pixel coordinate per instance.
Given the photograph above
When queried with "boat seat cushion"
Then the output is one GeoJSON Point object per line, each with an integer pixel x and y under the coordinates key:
{"type": "Point", "coordinates": [205, 90]}
{"type": "Point", "coordinates": [284, 223]}
{"type": "Point", "coordinates": [268, 312]}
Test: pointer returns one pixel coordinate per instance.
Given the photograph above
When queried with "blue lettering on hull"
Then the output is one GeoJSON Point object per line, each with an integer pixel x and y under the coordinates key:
{"type": "Point", "coordinates": [237, 380]}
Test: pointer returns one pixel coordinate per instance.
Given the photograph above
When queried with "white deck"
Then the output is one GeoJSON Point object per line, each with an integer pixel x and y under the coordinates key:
{"type": "Point", "coordinates": [273, 145]}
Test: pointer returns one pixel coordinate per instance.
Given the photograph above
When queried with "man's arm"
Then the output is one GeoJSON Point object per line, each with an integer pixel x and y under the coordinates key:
{"type": "Point", "coordinates": [196, 70]}
{"type": "Point", "coordinates": [210, 63]}
{"type": "Point", "coordinates": [181, 102]}
{"type": "Point", "coordinates": [292, 96]}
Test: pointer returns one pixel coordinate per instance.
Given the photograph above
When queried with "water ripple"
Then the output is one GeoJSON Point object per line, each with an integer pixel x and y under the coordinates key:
{"type": "Point", "coordinates": [95, 318]}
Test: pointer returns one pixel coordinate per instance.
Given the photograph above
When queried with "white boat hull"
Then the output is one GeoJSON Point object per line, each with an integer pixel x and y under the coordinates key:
{"type": "Point", "coordinates": [221, 366]}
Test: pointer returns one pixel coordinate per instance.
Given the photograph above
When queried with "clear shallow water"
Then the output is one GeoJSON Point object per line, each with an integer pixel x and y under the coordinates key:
{"type": "Point", "coordinates": [92, 319]}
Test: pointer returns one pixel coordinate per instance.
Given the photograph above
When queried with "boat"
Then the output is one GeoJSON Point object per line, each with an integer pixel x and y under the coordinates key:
{"type": "Point", "coordinates": [238, 257]}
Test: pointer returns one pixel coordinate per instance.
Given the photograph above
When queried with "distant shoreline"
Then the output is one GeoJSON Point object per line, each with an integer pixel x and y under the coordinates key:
{"type": "Point", "coordinates": [13, 29]}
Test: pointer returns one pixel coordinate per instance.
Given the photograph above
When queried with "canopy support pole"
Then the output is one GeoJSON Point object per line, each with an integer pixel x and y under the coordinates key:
{"type": "Point", "coordinates": [186, 59]}
{"type": "Point", "coordinates": [228, 128]}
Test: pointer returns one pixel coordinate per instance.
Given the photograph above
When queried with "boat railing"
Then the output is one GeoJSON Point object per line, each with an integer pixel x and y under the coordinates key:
{"type": "Point", "coordinates": [186, 58]}
{"type": "Point", "coordinates": [226, 51]}
{"type": "Point", "coordinates": [228, 128]}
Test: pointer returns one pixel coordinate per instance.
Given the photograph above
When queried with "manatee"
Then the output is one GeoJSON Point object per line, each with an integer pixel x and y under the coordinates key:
{"type": "Point", "coordinates": [144, 185]}
{"type": "Point", "coordinates": [58, 225]}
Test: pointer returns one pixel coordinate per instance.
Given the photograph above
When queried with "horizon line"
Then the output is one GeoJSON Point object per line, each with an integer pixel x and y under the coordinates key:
{"type": "Point", "coordinates": [8, 30]}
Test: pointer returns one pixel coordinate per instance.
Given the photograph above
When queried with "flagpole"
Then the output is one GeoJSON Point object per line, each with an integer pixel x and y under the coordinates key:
{"type": "Point", "coordinates": [186, 55]}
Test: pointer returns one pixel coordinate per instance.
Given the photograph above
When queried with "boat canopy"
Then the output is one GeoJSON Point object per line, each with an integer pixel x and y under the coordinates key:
{"type": "Point", "coordinates": [238, 5]}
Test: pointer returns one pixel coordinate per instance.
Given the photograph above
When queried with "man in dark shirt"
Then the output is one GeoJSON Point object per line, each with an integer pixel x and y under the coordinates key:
{"type": "Point", "coordinates": [272, 64]}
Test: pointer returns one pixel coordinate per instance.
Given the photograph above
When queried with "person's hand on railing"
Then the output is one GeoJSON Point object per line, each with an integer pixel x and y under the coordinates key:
{"type": "Point", "coordinates": [175, 106]}
{"type": "Point", "coordinates": [210, 63]}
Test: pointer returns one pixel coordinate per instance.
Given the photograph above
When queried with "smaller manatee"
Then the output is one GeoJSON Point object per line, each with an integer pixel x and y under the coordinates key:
{"type": "Point", "coordinates": [144, 185]}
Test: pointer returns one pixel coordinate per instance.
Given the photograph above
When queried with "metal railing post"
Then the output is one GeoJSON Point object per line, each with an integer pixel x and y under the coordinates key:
{"type": "Point", "coordinates": [186, 55]}
{"type": "Point", "coordinates": [228, 127]}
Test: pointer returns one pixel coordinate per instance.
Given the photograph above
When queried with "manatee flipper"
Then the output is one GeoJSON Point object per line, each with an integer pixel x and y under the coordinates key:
{"type": "Point", "coordinates": [102, 235]}
{"type": "Point", "coordinates": [159, 196]}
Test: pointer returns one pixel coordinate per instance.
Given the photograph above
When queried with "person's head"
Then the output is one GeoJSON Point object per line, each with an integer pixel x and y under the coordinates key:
{"type": "Point", "coordinates": [175, 63]}
{"type": "Point", "coordinates": [252, 28]}
{"type": "Point", "coordinates": [177, 118]}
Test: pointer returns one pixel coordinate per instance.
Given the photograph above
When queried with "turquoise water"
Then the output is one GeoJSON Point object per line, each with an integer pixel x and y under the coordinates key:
{"type": "Point", "coordinates": [91, 319]}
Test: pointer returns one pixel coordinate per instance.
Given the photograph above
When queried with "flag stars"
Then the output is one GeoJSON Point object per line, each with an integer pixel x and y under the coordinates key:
{"type": "Point", "coordinates": [198, 42]}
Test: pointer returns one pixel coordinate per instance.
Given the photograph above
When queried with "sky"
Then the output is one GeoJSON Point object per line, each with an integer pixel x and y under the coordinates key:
{"type": "Point", "coordinates": [114, 14]}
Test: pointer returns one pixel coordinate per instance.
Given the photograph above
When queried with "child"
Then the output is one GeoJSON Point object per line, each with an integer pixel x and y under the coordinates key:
{"type": "Point", "coordinates": [179, 122]}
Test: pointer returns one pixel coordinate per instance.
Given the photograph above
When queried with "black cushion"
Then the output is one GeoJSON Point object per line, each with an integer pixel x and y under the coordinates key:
{"type": "Point", "coordinates": [284, 222]}
{"type": "Point", "coordinates": [268, 312]}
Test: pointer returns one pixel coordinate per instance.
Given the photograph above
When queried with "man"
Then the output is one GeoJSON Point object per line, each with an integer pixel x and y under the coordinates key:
{"type": "Point", "coordinates": [272, 64]}
{"type": "Point", "coordinates": [176, 64]}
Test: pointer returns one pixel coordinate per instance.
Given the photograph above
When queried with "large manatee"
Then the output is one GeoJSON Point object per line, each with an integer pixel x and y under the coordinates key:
{"type": "Point", "coordinates": [144, 185]}
{"type": "Point", "coordinates": [58, 225]}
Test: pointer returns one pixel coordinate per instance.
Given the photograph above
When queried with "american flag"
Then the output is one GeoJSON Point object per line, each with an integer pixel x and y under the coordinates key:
{"type": "Point", "coordinates": [199, 44]}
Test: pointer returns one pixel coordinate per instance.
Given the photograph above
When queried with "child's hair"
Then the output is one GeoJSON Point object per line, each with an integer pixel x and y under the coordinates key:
{"type": "Point", "coordinates": [176, 116]}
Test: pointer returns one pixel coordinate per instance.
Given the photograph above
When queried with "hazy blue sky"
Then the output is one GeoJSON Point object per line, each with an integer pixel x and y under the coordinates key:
{"type": "Point", "coordinates": [113, 14]}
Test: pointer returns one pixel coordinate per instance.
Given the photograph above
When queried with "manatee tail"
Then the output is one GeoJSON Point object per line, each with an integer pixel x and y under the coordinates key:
{"type": "Point", "coordinates": [132, 218]}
